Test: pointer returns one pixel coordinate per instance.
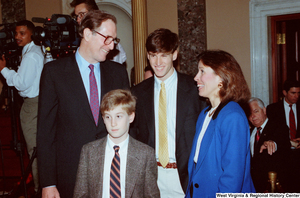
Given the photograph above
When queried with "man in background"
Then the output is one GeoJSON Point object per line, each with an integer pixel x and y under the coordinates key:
{"type": "Point", "coordinates": [269, 143]}
{"type": "Point", "coordinates": [26, 80]}
{"type": "Point", "coordinates": [81, 7]}
{"type": "Point", "coordinates": [71, 89]}
{"type": "Point", "coordinates": [167, 109]}
{"type": "Point", "coordinates": [287, 113]}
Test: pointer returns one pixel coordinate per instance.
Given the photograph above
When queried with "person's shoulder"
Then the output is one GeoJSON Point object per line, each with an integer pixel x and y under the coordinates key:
{"type": "Point", "coordinates": [185, 77]}
{"type": "Point", "coordinates": [231, 108]}
{"type": "Point", "coordinates": [95, 143]}
{"type": "Point", "coordinates": [142, 147]}
{"type": "Point", "coordinates": [111, 64]}
{"type": "Point", "coordinates": [143, 85]}
{"type": "Point", "coordinates": [61, 61]}
{"type": "Point", "coordinates": [274, 106]}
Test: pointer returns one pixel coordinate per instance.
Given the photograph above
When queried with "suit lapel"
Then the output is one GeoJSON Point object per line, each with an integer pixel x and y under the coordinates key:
{"type": "Point", "coordinates": [99, 165]}
{"type": "Point", "coordinates": [298, 119]}
{"type": "Point", "coordinates": [282, 111]}
{"type": "Point", "coordinates": [76, 85]}
{"type": "Point", "coordinates": [133, 164]}
{"type": "Point", "coordinates": [206, 141]}
{"type": "Point", "coordinates": [148, 97]}
{"type": "Point", "coordinates": [182, 89]}
{"type": "Point", "coordinates": [106, 79]}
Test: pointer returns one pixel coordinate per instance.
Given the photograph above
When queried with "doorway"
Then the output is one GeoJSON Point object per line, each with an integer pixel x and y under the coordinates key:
{"type": "Point", "coordinates": [285, 38]}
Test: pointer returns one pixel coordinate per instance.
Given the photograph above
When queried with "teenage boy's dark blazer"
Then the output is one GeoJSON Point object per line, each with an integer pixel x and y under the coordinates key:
{"type": "Point", "coordinates": [65, 120]}
{"type": "Point", "coordinates": [141, 170]}
{"type": "Point", "coordinates": [188, 108]}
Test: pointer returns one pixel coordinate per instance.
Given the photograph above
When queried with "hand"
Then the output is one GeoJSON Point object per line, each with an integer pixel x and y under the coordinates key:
{"type": "Point", "coordinates": [269, 145]}
{"type": "Point", "coordinates": [2, 62]}
{"type": "Point", "coordinates": [50, 192]}
{"type": "Point", "coordinates": [295, 143]}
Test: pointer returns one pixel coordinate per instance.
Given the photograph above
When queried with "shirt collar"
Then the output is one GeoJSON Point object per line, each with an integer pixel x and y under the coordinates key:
{"type": "Point", "coordinates": [168, 81]}
{"type": "Point", "coordinates": [263, 125]}
{"type": "Point", "coordinates": [287, 104]}
{"type": "Point", "coordinates": [122, 145]}
{"type": "Point", "coordinates": [82, 62]}
{"type": "Point", "coordinates": [27, 47]}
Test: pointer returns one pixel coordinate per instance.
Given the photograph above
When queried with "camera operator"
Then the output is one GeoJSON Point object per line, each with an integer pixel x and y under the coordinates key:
{"type": "Point", "coordinates": [81, 8]}
{"type": "Point", "coordinates": [26, 80]}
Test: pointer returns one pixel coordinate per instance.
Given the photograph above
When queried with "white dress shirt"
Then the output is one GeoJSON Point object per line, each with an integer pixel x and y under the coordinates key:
{"type": "Point", "coordinates": [27, 79]}
{"type": "Point", "coordinates": [121, 57]}
{"type": "Point", "coordinates": [202, 133]}
{"type": "Point", "coordinates": [171, 92]}
{"type": "Point", "coordinates": [109, 155]}
{"type": "Point", "coordinates": [168, 179]}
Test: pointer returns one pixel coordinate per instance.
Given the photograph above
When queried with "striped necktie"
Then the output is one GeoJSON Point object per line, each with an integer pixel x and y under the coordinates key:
{"type": "Point", "coordinates": [115, 187]}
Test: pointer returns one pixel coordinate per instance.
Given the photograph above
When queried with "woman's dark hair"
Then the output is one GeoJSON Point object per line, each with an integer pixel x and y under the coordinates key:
{"type": "Point", "coordinates": [234, 86]}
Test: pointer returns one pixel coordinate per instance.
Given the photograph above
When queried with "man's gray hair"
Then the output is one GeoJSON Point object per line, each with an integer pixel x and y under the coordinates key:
{"type": "Point", "coordinates": [259, 102]}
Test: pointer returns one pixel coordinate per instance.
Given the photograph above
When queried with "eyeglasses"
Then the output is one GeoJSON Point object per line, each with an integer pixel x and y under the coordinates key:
{"type": "Point", "coordinates": [108, 39]}
{"type": "Point", "coordinates": [80, 15]}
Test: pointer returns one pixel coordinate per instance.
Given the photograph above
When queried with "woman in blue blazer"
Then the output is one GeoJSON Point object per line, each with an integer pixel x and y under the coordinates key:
{"type": "Point", "coordinates": [220, 157]}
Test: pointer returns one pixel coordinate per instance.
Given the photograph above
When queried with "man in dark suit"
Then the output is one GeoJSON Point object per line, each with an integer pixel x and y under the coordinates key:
{"type": "Point", "coordinates": [137, 165]}
{"type": "Point", "coordinates": [182, 107]}
{"type": "Point", "coordinates": [269, 142]}
{"type": "Point", "coordinates": [287, 113]}
{"type": "Point", "coordinates": [68, 115]}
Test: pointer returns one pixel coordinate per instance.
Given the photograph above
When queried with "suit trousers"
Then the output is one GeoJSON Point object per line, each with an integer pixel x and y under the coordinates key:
{"type": "Point", "coordinates": [28, 117]}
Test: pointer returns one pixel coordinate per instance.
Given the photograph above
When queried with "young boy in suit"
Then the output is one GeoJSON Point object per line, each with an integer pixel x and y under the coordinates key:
{"type": "Point", "coordinates": [117, 165]}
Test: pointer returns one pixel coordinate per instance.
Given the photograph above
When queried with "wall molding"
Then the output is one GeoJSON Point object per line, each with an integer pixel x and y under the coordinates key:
{"type": "Point", "coordinates": [260, 47]}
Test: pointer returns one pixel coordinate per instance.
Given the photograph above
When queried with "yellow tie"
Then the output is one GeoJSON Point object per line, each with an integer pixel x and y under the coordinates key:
{"type": "Point", "coordinates": [163, 154]}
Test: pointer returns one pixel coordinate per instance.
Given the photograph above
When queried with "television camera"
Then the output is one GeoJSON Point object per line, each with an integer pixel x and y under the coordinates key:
{"type": "Point", "coordinates": [59, 34]}
{"type": "Point", "coordinates": [8, 46]}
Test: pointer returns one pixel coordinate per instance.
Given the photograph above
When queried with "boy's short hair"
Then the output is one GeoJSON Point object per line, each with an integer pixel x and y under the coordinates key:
{"type": "Point", "coordinates": [118, 97]}
{"type": "Point", "coordinates": [162, 41]}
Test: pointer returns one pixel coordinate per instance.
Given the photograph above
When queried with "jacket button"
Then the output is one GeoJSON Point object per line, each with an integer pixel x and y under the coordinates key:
{"type": "Point", "coordinates": [197, 185]}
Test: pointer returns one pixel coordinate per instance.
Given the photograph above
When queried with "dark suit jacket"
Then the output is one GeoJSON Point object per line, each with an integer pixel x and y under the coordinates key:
{"type": "Point", "coordinates": [290, 182]}
{"type": "Point", "coordinates": [141, 170]}
{"type": "Point", "coordinates": [262, 163]}
{"type": "Point", "coordinates": [276, 111]}
{"type": "Point", "coordinates": [188, 109]}
{"type": "Point", "coordinates": [65, 120]}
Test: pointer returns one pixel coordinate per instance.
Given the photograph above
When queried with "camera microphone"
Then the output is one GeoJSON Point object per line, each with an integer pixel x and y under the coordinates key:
{"type": "Point", "coordinates": [38, 20]}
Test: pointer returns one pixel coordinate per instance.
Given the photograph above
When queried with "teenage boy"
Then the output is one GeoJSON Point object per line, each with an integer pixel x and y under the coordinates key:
{"type": "Point", "coordinates": [117, 165]}
{"type": "Point", "coordinates": [182, 107]}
